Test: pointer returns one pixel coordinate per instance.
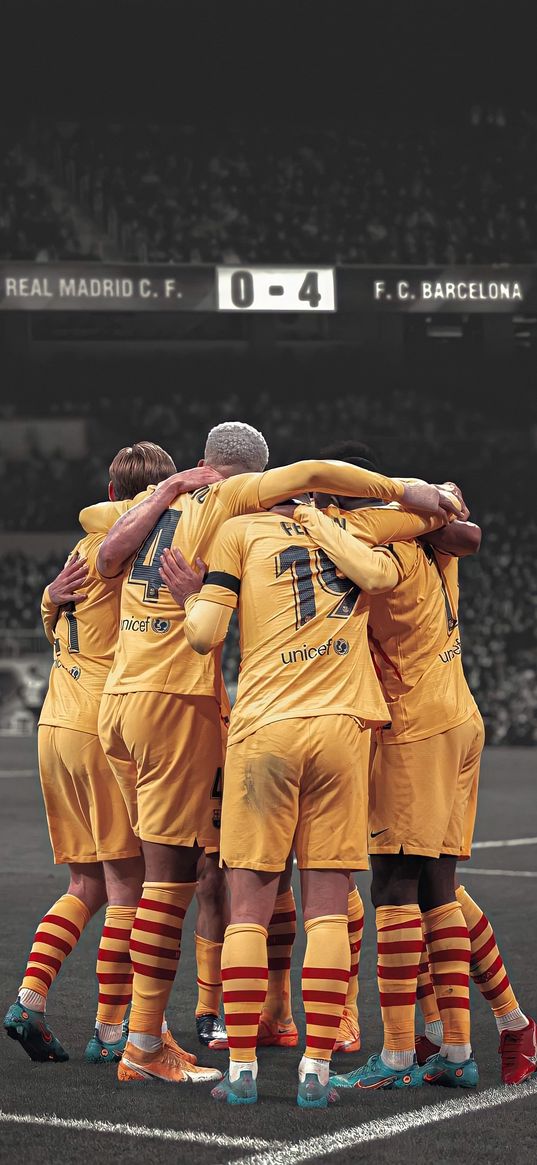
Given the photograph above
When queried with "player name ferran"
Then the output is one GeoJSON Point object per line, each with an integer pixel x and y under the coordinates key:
{"type": "Point", "coordinates": [70, 288]}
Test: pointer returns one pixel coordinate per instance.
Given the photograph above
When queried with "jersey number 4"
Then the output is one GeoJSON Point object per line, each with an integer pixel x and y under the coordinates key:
{"type": "Point", "coordinates": [296, 560]}
{"type": "Point", "coordinates": [145, 568]}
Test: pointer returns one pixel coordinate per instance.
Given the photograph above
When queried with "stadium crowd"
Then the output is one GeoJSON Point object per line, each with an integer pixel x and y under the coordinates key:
{"type": "Point", "coordinates": [31, 226]}
{"type": "Point", "coordinates": [397, 193]}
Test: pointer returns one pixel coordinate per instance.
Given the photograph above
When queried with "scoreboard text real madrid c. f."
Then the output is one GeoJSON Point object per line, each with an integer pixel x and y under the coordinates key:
{"type": "Point", "coordinates": [101, 287]}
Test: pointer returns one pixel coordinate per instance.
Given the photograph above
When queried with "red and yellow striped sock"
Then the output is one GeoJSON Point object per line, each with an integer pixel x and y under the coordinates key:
{"type": "Point", "coordinates": [281, 936]}
{"type": "Point", "coordinates": [486, 963]}
{"type": "Point", "coordinates": [55, 938]}
{"type": "Point", "coordinates": [114, 971]}
{"type": "Point", "coordinates": [425, 993]}
{"type": "Point", "coordinates": [154, 949]}
{"type": "Point", "coordinates": [399, 946]}
{"type": "Point", "coordinates": [325, 978]}
{"type": "Point", "coordinates": [448, 949]}
{"type": "Point", "coordinates": [244, 979]}
{"type": "Point", "coordinates": [208, 962]}
{"type": "Point", "coordinates": [355, 929]}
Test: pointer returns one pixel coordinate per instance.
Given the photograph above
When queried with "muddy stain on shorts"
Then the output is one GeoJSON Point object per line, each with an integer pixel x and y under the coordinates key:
{"type": "Point", "coordinates": [266, 783]}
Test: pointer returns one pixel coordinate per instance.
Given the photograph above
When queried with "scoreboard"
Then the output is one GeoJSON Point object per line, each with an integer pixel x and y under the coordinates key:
{"type": "Point", "coordinates": [276, 289]}
{"type": "Point", "coordinates": [101, 287]}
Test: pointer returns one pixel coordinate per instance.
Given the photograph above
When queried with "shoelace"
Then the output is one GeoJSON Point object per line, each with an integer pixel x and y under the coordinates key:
{"type": "Point", "coordinates": [508, 1048]}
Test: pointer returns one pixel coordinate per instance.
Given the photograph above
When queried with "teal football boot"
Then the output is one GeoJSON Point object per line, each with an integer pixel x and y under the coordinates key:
{"type": "Point", "coordinates": [241, 1091]}
{"type": "Point", "coordinates": [438, 1070]}
{"type": "Point", "coordinates": [30, 1029]}
{"type": "Point", "coordinates": [312, 1094]}
{"type": "Point", "coordinates": [377, 1074]}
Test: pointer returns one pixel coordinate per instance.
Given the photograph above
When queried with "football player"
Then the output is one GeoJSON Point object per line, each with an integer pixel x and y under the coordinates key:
{"type": "Point", "coordinates": [162, 705]}
{"type": "Point", "coordinates": [88, 822]}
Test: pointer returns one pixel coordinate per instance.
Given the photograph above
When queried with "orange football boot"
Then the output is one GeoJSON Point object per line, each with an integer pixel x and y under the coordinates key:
{"type": "Point", "coordinates": [169, 1041]}
{"type": "Point", "coordinates": [164, 1064]}
{"type": "Point", "coordinates": [275, 1034]}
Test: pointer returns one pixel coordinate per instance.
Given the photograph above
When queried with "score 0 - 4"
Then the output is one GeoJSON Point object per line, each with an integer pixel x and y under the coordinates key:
{"type": "Point", "coordinates": [276, 289]}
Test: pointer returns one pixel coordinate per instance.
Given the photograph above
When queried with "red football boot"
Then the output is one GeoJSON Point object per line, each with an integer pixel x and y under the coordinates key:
{"type": "Point", "coordinates": [518, 1051]}
{"type": "Point", "coordinates": [425, 1048]}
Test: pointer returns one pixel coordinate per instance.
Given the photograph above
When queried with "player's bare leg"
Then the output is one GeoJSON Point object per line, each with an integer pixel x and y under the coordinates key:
{"type": "Point", "coordinates": [56, 936]}
{"type": "Point", "coordinates": [276, 1026]}
{"type": "Point", "coordinates": [168, 889]}
{"type": "Point", "coordinates": [213, 916]}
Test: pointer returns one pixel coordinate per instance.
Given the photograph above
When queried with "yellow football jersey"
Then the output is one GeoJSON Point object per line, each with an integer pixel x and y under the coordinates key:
{"type": "Point", "coordinates": [304, 649]}
{"type": "Point", "coordinates": [84, 639]}
{"type": "Point", "coordinates": [152, 653]}
{"type": "Point", "coordinates": [415, 639]}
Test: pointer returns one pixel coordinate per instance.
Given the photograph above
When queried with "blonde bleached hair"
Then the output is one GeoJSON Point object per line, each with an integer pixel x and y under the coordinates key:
{"type": "Point", "coordinates": [236, 443]}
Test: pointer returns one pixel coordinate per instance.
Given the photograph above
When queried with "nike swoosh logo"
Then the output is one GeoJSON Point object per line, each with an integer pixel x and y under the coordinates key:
{"type": "Point", "coordinates": [377, 1084]}
{"type": "Point", "coordinates": [376, 834]}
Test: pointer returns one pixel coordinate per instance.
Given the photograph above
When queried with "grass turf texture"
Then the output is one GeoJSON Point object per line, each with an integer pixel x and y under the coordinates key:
{"type": "Point", "coordinates": [29, 883]}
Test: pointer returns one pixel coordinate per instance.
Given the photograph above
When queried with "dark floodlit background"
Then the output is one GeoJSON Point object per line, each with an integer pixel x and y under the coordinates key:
{"type": "Point", "coordinates": [298, 136]}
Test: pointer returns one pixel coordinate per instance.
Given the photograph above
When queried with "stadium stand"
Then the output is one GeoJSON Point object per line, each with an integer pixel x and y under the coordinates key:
{"type": "Point", "coordinates": [410, 192]}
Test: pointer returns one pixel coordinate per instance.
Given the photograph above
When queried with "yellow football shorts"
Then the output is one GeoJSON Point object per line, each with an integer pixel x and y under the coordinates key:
{"type": "Point", "coordinates": [423, 795]}
{"type": "Point", "coordinates": [298, 782]}
{"type": "Point", "coordinates": [166, 752]}
{"type": "Point", "coordinates": [86, 814]}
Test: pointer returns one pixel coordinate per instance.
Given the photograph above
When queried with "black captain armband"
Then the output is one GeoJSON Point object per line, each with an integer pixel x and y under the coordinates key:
{"type": "Point", "coordinates": [220, 578]}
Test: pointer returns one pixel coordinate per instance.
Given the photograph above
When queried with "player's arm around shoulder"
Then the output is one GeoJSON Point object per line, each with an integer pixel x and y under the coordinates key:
{"type": "Point", "coordinates": [458, 540]}
{"type": "Point", "coordinates": [133, 523]}
{"type": "Point", "coordinates": [373, 572]}
{"type": "Point", "coordinates": [377, 526]}
{"type": "Point", "coordinates": [99, 518]}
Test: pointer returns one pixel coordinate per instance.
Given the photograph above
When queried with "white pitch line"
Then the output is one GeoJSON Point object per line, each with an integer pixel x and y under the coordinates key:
{"type": "Point", "coordinates": [504, 842]}
{"type": "Point", "coordinates": [217, 1140]}
{"type": "Point", "coordinates": [381, 1130]}
{"type": "Point", "coordinates": [501, 873]}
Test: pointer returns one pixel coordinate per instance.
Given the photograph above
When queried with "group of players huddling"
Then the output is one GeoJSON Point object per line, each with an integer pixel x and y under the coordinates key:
{"type": "Point", "coordinates": [354, 733]}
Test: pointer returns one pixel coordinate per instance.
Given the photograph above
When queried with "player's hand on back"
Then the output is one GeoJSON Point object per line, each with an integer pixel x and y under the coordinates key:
{"type": "Point", "coordinates": [190, 479]}
{"type": "Point", "coordinates": [181, 579]}
{"type": "Point", "coordinates": [65, 587]}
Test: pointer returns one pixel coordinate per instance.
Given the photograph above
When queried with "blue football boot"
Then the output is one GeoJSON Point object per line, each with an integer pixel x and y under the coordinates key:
{"type": "Point", "coordinates": [30, 1029]}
